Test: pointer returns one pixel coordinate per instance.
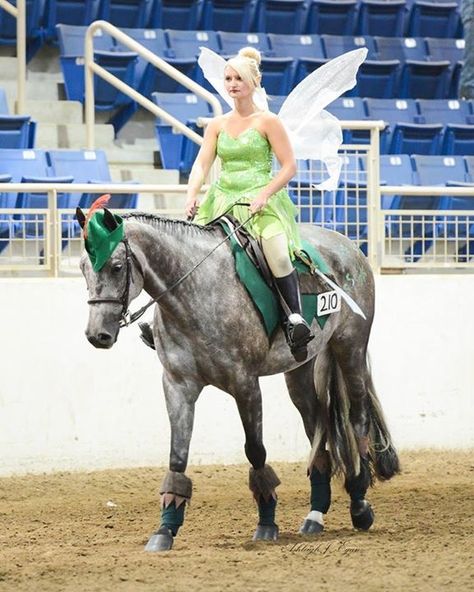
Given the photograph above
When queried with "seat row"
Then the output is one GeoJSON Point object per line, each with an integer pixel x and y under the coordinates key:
{"type": "Point", "coordinates": [345, 210]}
{"type": "Point", "coordinates": [53, 166]}
{"type": "Point", "coordinates": [338, 17]}
{"type": "Point", "coordinates": [396, 67]}
{"type": "Point", "coordinates": [412, 127]}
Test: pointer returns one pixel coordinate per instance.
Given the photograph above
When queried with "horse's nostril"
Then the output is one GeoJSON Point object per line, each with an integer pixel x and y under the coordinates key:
{"type": "Point", "coordinates": [104, 338]}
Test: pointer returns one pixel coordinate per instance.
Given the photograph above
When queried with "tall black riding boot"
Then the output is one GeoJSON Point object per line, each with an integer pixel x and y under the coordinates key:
{"type": "Point", "coordinates": [298, 332]}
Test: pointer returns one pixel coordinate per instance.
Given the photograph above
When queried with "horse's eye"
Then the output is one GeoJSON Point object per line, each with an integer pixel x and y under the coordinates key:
{"type": "Point", "coordinates": [117, 267]}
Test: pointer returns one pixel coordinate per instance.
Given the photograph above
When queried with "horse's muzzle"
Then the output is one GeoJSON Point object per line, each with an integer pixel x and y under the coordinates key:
{"type": "Point", "coordinates": [102, 340]}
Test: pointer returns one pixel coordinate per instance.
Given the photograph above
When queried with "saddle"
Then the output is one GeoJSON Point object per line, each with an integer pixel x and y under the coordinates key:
{"type": "Point", "coordinates": [254, 273]}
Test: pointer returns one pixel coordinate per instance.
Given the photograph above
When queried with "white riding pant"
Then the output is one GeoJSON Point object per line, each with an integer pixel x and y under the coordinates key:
{"type": "Point", "coordinates": [276, 253]}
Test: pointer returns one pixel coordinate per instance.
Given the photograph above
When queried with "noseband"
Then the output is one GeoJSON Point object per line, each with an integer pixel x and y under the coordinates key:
{"type": "Point", "coordinates": [123, 300]}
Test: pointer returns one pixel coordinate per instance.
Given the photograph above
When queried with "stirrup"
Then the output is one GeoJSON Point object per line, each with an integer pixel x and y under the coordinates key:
{"type": "Point", "coordinates": [147, 334]}
{"type": "Point", "coordinates": [298, 335]}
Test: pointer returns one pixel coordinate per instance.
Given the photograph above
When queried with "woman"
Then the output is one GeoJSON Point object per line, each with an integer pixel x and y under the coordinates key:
{"type": "Point", "coordinates": [245, 140]}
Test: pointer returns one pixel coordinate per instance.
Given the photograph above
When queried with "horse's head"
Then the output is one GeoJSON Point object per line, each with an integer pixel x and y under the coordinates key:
{"type": "Point", "coordinates": [114, 278]}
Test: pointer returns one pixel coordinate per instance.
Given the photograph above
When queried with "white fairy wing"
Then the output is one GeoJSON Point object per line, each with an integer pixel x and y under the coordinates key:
{"type": "Point", "coordinates": [213, 66]}
{"type": "Point", "coordinates": [315, 133]}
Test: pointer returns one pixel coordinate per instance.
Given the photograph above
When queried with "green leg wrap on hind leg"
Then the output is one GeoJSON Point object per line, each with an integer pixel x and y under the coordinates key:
{"type": "Point", "coordinates": [266, 511]}
{"type": "Point", "coordinates": [320, 490]}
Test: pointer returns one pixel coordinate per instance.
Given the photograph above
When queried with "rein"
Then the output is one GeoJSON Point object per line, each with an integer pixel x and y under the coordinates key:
{"type": "Point", "coordinates": [128, 318]}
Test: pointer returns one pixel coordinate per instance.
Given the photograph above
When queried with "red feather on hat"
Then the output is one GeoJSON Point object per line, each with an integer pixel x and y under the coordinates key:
{"type": "Point", "coordinates": [99, 203]}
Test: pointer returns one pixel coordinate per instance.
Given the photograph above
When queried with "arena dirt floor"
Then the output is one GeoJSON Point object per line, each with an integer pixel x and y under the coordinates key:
{"type": "Point", "coordinates": [86, 532]}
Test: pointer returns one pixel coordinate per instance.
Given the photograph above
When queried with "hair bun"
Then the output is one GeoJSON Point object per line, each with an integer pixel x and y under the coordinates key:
{"type": "Point", "coordinates": [252, 53]}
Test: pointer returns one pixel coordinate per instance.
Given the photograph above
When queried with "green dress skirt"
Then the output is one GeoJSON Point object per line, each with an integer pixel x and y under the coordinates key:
{"type": "Point", "coordinates": [246, 170]}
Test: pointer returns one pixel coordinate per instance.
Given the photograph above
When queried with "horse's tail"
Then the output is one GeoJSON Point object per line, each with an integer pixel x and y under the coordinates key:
{"type": "Point", "coordinates": [384, 457]}
{"type": "Point", "coordinates": [336, 428]}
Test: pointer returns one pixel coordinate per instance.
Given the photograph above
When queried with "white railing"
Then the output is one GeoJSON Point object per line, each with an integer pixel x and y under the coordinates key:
{"type": "Point", "coordinates": [19, 12]}
{"type": "Point", "coordinates": [91, 68]}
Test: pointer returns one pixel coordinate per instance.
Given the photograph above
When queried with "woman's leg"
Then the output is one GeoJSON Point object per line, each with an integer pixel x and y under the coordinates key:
{"type": "Point", "coordinates": [298, 333]}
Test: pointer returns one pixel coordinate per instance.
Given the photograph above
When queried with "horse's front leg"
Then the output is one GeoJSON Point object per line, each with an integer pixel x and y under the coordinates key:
{"type": "Point", "coordinates": [181, 395]}
{"type": "Point", "coordinates": [262, 478]}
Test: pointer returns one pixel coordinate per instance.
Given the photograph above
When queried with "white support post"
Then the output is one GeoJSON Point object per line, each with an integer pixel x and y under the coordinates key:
{"type": "Point", "coordinates": [21, 55]}
{"type": "Point", "coordinates": [53, 249]}
{"type": "Point", "coordinates": [373, 200]}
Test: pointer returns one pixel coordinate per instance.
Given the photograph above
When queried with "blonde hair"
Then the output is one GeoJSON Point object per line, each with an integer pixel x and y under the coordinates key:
{"type": "Point", "coordinates": [246, 63]}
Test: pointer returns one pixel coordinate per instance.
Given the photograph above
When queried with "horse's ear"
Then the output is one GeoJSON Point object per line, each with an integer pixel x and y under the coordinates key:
{"type": "Point", "coordinates": [80, 217]}
{"type": "Point", "coordinates": [109, 220]}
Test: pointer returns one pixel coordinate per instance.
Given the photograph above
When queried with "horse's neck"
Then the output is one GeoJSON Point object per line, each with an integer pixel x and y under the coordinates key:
{"type": "Point", "coordinates": [169, 250]}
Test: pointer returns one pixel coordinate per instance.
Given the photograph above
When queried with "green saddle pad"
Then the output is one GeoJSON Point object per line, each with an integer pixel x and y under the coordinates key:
{"type": "Point", "coordinates": [263, 296]}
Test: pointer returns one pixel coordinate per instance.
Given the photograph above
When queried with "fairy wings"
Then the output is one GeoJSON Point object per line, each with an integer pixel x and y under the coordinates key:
{"type": "Point", "coordinates": [314, 133]}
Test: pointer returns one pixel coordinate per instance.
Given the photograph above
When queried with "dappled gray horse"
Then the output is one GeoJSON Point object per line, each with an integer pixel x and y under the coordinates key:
{"type": "Point", "coordinates": [207, 332]}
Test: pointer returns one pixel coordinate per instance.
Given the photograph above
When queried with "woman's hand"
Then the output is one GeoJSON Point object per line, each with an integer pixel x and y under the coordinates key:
{"type": "Point", "coordinates": [191, 207]}
{"type": "Point", "coordinates": [258, 204]}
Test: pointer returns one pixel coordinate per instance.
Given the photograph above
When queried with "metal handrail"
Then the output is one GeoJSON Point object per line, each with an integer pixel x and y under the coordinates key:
{"type": "Point", "coordinates": [19, 12]}
{"type": "Point", "coordinates": [91, 68]}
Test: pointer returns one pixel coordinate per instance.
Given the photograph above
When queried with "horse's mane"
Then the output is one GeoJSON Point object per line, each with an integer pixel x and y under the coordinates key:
{"type": "Point", "coordinates": [157, 221]}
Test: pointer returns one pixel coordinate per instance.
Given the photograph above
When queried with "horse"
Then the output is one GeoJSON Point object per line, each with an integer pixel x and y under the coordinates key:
{"type": "Point", "coordinates": [206, 331]}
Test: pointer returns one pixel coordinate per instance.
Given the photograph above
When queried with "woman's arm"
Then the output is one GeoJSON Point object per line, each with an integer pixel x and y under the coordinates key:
{"type": "Point", "coordinates": [202, 165]}
{"type": "Point", "coordinates": [281, 147]}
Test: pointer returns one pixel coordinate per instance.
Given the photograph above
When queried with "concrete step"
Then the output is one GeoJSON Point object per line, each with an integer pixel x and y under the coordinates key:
{"type": "Point", "coordinates": [129, 155]}
{"type": "Point", "coordinates": [142, 174]}
{"type": "Point", "coordinates": [57, 112]}
{"type": "Point", "coordinates": [51, 135]}
{"type": "Point", "coordinates": [34, 91]}
{"type": "Point", "coordinates": [8, 68]}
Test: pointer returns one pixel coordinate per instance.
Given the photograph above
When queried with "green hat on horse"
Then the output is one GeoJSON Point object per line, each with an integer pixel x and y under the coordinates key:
{"type": "Point", "coordinates": [103, 231]}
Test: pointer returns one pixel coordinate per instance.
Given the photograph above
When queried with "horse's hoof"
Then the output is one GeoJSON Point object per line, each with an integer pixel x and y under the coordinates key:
{"type": "Point", "coordinates": [266, 533]}
{"type": "Point", "coordinates": [161, 540]}
{"type": "Point", "coordinates": [362, 515]}
{"type": "Point", "coordinates": [311, 527]}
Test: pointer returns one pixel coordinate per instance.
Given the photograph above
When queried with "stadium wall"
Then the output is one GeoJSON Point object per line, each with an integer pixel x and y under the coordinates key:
{"type": "Point", "coordinates": [65, 405]}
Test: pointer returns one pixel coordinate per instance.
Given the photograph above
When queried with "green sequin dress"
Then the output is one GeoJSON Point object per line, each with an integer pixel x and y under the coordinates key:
{"type": "Point", "coordinates": [246, 170]}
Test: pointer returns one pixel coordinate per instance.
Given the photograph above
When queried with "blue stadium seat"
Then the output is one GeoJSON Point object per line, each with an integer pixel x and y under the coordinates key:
{"type": "Point", "coordinates": [186, 107]}
{"type": "Point", "coordinates": [34, 31]}
{"type": "Point", "coordinates": [127, 13]}
{"type": "Point", "coordinates": [433, 19]}
{"type": "Point", "coordinates": [350, 108]}
{"type": "Point", "coordinates": [122, 65]}
{"type": "Point", "coordinates": [281, 16]}
{"type": "Point", "coordinates": [4, 110]}
{"type": "Point", "coordinates": [32, 225]}
{"type": "Point", "coordinates": [306, 50]}
{"type": "Point", "coordinates": [232, 42]}
{"type": "Point", "coordinates": [177, 14]}
{"type": "Point", "coordinates": [375, 78]}
{"type": "Point", "coordinates": [416, 138]}
{"type": "Point", "coordinates": [184, 51]}
{"type": "Point", "coordinates": [229, 15]}
{"type": "Point", "coordinates": [392, 111]}
{"type": "Point", "coordinates": [398, 48]}
{"type": "Point", "coordinates": [19, 163]}
{"type": "Point", "coordinates": [278, 75]}
{"type": "Point", "coordinates": [68, 12]}
{"type": "Point", "coordinates": [17, 131]}
{"type": "Point", "coordinates": [351, 200]}
{"type": "Point", "coordinates": [452, 50]}
{"type": "Point", "coordinates": [382, 17]}
{"type": "Point", "coordinates": [433, 170]}
{"type": "Point", "coordinates": [395, 169]}
{"type": "Point", "coordinates": [331, 17]}
{"type": "Point", "coordinates": [155, 41]}
{"type": "Point", "coordinates": [459, 132]}
{"type": "Point", "coordinates": [425, 80]}
{"type": "Point", "coordinates": [88, 166]}
{"type": "Point", "coordinates": [71, 47]}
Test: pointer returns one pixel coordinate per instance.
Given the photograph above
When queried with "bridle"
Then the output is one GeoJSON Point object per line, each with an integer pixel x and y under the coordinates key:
{"type": "Point", "coordinates": [123, 300]}
{"type": "Point", "coordinates": [127, 318]}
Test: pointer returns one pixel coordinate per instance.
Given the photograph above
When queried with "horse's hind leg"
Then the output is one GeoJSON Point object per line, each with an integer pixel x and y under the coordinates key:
{"type": "Point", "coordinates": [262, 478]}
{"type": "Point", "coordinates": [300, 383]}
{"type": "Point", "coordinates": [353, 364]}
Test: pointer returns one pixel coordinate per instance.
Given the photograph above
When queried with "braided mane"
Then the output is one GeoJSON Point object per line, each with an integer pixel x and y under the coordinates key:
{"type": "Point", "coordinates": [157, 221]}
